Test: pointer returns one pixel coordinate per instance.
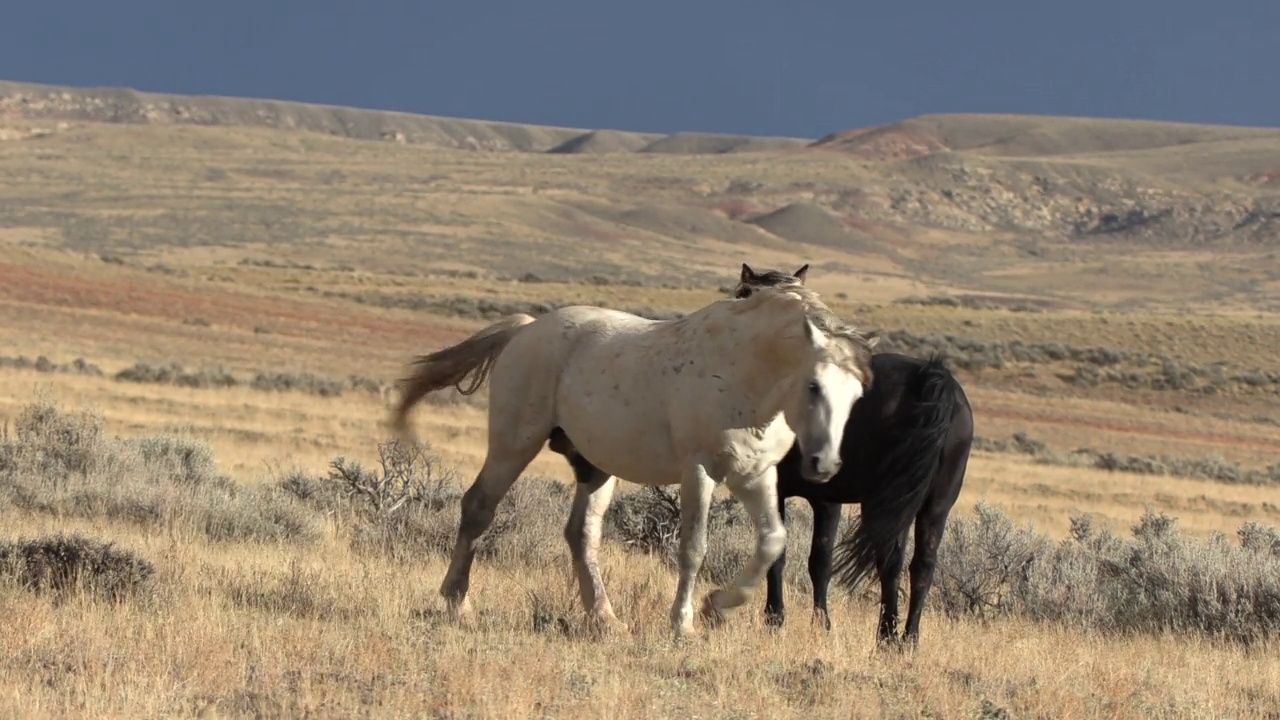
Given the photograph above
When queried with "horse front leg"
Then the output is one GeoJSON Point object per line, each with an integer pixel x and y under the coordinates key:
{"type": "Point", "coordinates": [695, 503]}
{"type": "Point", "coordinates": [759, 497]}
{"type": "Point", "coordinates": [826, 523]}
{"type": "Point", "coordinates": [774, 602]}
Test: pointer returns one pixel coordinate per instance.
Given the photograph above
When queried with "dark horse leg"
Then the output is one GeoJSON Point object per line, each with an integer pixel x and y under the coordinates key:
{"type": "Point", "coordinates": [931, 523]}
{"type": "Point", "coordinates": [826, 522]}
{"type": "Point", "coordinates": [583, 470]}
{"type": "Point", "coordinates": [774, 611]}
{"type": "Point", "coordinates": [889, 567]}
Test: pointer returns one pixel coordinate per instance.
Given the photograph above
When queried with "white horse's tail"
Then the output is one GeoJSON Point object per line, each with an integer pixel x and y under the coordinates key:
{"type": "Point", "coordinates": [472, 357]}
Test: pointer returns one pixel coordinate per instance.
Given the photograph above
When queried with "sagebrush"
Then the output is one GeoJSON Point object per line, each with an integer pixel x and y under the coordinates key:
{"type": "Point", "coordinates": [1158, 580]}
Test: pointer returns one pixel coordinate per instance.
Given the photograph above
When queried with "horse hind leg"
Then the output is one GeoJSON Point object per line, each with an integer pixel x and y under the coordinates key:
{"type": "Point", "coordinates": [890, 569]}
{"type": "Point", "coordinates": [928, 536]}
{"type": "Point", "coordinates": [582, 532]}
{"type": "Point", "coordinates": [759, 497]}
{"type": "Point", "coordinates": [502, 465]}
{"type": "Point", "coordinates": [931, 523]}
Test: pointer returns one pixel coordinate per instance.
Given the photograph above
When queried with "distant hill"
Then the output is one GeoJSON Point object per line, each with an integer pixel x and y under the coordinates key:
{"type": "Point", "coordinates": [124, 105]}
{"type": "Point", "coordinates": [1056, 207]}
{"type": "Point", "coordinates": [1082, 178]}
{"type": "Point", "coordinates": [1031, 136]}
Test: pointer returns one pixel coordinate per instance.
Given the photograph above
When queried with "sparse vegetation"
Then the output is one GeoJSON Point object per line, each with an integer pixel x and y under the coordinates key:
{"type": "Point", "coordinates": [63, 464]}
{"type": "Point", "coordinates": [393, 521]}
{"type": "Point", "coordinates": [266, 380]}
{"type": "Point", "coordinates": [481, 308]}
{"type": "Point", "coordinates": [407, 508]}
{"type": "Point", "coordinates": [1157, 581]}
{"type": "Point", "coordinates": [1216, 469]}
{"type": "Point", "coordinates": [967, 301]}
{"type": "Point", "coordinates": [1088, 366]}
{"type": "Point", "coordinates": [79, 366]}
{"type": "Point", "coordinates": [648, 520]}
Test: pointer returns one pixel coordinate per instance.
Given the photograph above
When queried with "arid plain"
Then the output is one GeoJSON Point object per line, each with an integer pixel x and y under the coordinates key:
{"type": "Point", "coordinates": [255, 279]}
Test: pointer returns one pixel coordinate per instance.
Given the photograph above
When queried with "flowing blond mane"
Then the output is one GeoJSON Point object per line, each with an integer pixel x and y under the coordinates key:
{"type": "Point", "coordinates": [821, 316]}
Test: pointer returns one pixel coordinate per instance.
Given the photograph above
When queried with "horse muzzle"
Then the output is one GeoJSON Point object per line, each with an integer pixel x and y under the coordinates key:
{"type": "Point", "coordinates": [817, 469]}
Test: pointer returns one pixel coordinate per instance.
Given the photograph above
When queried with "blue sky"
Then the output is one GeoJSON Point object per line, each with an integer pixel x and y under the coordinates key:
{"type": "Point", "coordinates": [799, 67]}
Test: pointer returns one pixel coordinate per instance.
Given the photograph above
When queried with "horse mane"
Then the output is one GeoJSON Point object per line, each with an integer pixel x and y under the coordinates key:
{"type": "Point", "coordinates": [815, 310]}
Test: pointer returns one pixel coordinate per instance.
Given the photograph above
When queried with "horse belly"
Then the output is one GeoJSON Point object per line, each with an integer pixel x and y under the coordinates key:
{"type": "Point", "coordinates": [618, 422]}
{"type": "Point", "coordinates": [637, 452]}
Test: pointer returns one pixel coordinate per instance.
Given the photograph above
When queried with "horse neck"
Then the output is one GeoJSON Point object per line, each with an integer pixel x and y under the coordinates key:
{"type": "Point", "coordinates": [776, 358]}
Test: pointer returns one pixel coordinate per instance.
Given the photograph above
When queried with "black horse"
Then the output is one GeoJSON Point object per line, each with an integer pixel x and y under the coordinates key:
{"type": "Point", "coordinates": [905, 450]}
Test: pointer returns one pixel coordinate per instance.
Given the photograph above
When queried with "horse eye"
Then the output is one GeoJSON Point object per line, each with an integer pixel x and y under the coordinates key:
{"type": "Point", "coordinates": [744, 293]}
{"type": "Point", "coordinates": [815, 388]}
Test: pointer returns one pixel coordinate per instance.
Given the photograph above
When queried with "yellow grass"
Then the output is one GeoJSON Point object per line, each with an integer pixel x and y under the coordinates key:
{"type": "Point", "coordinates": [373, 640]}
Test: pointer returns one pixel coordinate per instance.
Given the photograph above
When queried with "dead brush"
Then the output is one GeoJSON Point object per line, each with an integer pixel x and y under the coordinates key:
{"type": "Point", "coordinates": [408, 474]}
{"type": "Point", "coordinates": [400, 505]}
{"type": "Point", "coordinates": [408, 506]}
{"type": "Point", "coordinates": [60, 565]}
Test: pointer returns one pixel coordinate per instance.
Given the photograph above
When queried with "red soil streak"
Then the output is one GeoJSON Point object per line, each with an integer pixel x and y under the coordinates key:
{"type": "Point", "coordinates": [1264, 178]}
{"type": "Point", "coordinates": [901, 141]}
{"type": "Point", "coordinates": [170, 301]}
{"type": "Point", "coordinates": [1132, 428]}
{"type": "Point", "coordinates": [858, 222]}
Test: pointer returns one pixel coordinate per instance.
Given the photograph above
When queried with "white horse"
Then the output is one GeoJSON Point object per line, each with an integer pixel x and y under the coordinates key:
{"type": "Point", "coordinates": [718, 396]}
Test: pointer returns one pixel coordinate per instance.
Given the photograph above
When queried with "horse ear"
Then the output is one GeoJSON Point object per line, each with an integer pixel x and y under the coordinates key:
{"type": "Point", "coordinates": [747, 273]}
{"type": "Point", "coordinates": [799, 274]}
{"type": "Point", "coordinates": [813, 334]}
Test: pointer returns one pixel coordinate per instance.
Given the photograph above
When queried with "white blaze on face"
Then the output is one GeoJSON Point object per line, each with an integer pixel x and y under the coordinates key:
{"type": "Point", "coordinates": [826, 403]}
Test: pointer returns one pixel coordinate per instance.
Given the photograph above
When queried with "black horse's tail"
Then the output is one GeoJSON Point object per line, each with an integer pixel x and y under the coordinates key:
{"type": "Point", "coordinates": [911, 449]}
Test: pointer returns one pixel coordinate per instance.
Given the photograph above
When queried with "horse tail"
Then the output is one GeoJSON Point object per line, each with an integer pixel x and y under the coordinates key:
{"type": "Point", "coordinates": [909, 456]}
{"type": "Point", "coordinates": [472, 358]}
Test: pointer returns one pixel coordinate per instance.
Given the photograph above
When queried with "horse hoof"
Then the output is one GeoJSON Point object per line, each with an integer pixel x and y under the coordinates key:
{"type": "Point", "coordinates": [774, 619]}
{"type": "Point", "coordinates": [822, 619]}
{"type": "Point", "coordinates": [684, 634]}
{"type": "Point", "coordinates": [891, 643]}
{"type": "Point", "coordinates": [460, 610]}
{"type": "Point", "coordinates": [711, 612]}
{"type": "Point", "coordinates": [609, 626]}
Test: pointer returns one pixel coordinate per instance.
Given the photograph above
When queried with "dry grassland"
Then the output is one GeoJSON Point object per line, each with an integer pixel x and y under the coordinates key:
{"type": "Point", "coordinates": [250, 250]}
{"type": "Point", "coordinates": [338, 635]}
